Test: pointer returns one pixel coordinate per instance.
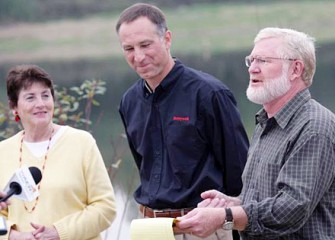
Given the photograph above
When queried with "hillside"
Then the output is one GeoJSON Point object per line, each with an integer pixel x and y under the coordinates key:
{"type": "Point", "coordinates": [202, 29]}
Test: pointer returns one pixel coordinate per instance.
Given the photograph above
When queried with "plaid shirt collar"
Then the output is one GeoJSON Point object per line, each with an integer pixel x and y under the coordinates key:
{"type": "Point", "coordinates": [286, 113]}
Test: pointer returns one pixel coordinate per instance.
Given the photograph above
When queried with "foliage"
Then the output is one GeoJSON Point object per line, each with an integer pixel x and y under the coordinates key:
{"type": "Point", "coordinates": [7, 124]}
{"type": "Point", "coordinates": [73, 106]}
{"type": "Point", "coordinates": [68, 109]}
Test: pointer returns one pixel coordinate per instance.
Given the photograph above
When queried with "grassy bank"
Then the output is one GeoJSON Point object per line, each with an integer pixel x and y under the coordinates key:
{"type": "Point", "coordinates": [202, 29]}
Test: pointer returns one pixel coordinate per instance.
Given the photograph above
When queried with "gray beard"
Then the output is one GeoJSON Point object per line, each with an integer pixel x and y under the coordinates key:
{"type": "Point", "coordinates": [271, 89]}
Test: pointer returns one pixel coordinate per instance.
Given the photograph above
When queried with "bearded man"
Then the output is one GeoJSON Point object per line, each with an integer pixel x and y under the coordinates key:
{"type": "Point", "coordinates": [289, 179]}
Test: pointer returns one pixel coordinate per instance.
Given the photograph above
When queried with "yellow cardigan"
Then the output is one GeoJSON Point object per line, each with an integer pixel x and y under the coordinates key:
{"type": "Point", "coordinates": [76, 194]}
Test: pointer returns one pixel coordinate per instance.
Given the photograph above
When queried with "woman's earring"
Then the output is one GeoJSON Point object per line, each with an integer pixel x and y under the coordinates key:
{"type": "Point", "coordinates": [17, 117]}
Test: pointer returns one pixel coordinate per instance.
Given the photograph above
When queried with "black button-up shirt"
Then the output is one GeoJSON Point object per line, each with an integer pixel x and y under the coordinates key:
{"type": "Point", "coordinates": [186, 137]}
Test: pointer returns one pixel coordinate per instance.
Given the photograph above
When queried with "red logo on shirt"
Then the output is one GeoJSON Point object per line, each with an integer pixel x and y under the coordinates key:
{"type": "Point", "coordinates": [175, 118]}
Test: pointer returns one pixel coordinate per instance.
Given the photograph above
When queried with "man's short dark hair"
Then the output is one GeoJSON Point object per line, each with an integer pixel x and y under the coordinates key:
{"type": "Point", "coordinates": [153, 13]}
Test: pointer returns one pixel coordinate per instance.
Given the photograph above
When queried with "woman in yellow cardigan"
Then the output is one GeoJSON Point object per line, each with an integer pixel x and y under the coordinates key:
{"type": "Point", "coordinates": [76, 198]}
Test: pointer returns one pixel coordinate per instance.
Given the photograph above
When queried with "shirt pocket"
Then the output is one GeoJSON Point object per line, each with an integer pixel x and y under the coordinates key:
{"type": "Point", "coordinates": [268, 176]}
{"type": "Point", "coordinates": [185, 145]}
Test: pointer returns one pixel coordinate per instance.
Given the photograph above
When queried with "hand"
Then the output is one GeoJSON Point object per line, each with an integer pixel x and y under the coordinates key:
{"type": "Point", "coordinates": [3, 205]}
{"type": "Point", "coordinates": [43, 233]}
{"type": "Point", "coordinates": [202, 222]}
{"type": "Point", "coordinates": [16, 235]}
{"type": "Point", "coordinates": [38, 229]}
{"type": "Point", "coordinates": [176, 230]}
{"type": "Point", "coordinates": [214, 198]}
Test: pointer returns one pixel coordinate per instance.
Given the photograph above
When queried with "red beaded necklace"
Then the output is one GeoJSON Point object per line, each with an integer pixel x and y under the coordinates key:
{"type": "Point", "coordinates": [43, 167]}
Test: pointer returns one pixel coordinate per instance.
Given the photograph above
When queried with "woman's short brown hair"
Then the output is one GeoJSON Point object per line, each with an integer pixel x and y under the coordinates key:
{"type": "Point", "coordinates": [23, 76]}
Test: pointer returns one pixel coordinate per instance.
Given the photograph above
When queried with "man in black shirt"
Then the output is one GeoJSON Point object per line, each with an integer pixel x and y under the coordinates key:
{"type": "Point", "coordinates": [183, 126]}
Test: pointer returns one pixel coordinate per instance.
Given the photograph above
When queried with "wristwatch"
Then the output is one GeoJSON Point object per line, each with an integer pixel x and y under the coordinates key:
{"type": "Point", "coordinates": [229, 222]}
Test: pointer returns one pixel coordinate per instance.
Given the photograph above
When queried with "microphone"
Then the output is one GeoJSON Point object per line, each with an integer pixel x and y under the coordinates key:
{"type": "Point", "coordinates": [36, 174]}
{"type": "Point", "coordinates": [23, 184]}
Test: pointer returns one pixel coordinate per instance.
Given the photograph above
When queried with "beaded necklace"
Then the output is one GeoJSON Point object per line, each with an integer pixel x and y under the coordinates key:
{"type": "Point", "coordinates": [43, 167]}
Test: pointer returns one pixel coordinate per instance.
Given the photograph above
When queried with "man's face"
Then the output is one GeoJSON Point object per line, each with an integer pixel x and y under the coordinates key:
{"type": "Point", "coordinates": [145, 50]}
{"type": "Point", "coordinates": [268, 77]}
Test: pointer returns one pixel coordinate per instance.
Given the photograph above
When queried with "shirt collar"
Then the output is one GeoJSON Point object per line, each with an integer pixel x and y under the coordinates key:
{"type": "Point", "coordinates": [168, 82]}
{"type": "Point", "coordinates": [286, 113]}
{"type": "Point", "coordinates": [147, 89]}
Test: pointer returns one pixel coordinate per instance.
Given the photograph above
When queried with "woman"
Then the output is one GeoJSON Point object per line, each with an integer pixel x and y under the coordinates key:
{"type": "Point", "coordinates": [76, 198]}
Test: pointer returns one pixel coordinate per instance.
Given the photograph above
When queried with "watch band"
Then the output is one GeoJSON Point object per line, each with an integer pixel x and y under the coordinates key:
{"type": "Point", "coordinates": [229, 215]}
{"type": "Point", "coordinates": [229, 221]}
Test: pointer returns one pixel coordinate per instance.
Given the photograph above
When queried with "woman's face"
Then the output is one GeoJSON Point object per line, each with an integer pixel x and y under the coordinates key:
{"type": "Point", "coordinates": [35, 106]}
